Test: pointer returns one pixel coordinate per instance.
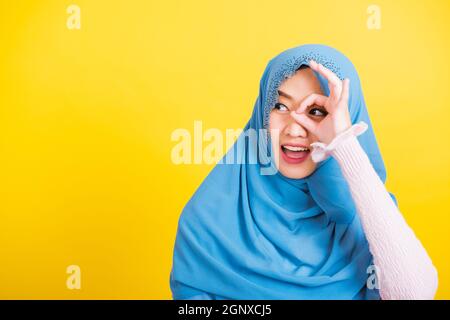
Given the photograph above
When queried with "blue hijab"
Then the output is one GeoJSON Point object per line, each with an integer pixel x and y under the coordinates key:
{"type": "Point", "coordinates": [247, 233]}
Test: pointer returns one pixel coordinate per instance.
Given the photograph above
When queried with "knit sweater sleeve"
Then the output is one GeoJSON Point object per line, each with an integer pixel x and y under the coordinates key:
{"type": "Point", "coordinates": [404, 269]}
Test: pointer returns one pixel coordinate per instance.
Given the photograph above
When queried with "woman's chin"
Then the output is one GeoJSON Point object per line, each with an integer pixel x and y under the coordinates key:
{"type": "Point", "coordinates": [298, 171]}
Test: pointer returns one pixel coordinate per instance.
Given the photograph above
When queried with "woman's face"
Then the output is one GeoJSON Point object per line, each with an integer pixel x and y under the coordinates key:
{"type": "Point", "coordinates": [292, 152]}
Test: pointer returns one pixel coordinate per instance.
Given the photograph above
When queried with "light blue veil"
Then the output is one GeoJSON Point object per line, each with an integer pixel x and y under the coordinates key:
{"type": "Point", "coordinates": [247, 234]}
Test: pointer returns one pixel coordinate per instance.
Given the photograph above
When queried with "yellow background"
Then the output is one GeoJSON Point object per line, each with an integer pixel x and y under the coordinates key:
{"type": "Point", "coordinates": [86, 116]}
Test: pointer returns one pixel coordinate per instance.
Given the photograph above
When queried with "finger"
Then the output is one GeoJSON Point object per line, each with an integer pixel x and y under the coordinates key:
{"type": "Point", "coordinates": [334, 83]}
{"type": "Point", "coordinates": [306, 122]}
{"type": "Point", "coordinates": [313, 98]}
{"type": "Point", "coordinates": [345, 91]}
{"type": "Point", "coordinates": [325, 72]}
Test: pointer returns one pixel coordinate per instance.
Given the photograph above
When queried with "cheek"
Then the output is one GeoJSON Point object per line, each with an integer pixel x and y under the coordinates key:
{"type": "Point", "coordinates": [275, 131]}
{"type": "Point", "coordinates": [276, 122]}
{"type": "Point", "coordinates": [312, 138]}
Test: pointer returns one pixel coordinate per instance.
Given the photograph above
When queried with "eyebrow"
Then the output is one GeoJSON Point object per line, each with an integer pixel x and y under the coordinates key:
{"type": "Point", "coordinates": [281, 93]}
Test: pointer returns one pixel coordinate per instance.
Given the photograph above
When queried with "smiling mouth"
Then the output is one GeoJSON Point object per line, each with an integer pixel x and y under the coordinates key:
{"type": "Point", "coordinates": [294, 154]}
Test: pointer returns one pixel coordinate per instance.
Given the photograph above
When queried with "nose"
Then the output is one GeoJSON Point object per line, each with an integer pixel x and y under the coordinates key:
{"type": "Point", "coordinates": [294, 129]}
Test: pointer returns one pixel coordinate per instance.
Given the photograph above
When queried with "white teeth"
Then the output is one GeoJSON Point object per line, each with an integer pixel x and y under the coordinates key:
{"type": "Point", "coordinates": [295, 148]}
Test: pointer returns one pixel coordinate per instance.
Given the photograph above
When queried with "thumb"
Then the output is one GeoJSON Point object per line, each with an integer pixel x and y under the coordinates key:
{"type": "Point", "coordinates": [304, 121]}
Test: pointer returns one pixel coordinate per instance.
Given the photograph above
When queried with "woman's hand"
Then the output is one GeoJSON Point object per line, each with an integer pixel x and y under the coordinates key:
{"type": "Point", "coordinates": [338, 118]}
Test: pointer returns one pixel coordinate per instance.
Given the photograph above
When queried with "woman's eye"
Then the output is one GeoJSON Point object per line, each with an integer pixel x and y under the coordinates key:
{"type": "Point", "coordinates": [281, 107]}
{"type": "Point", "coordinates": [318, 112]}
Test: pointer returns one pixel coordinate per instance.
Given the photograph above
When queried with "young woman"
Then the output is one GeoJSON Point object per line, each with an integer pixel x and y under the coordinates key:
{"type": "Point", "coordinates": [322, 225]}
